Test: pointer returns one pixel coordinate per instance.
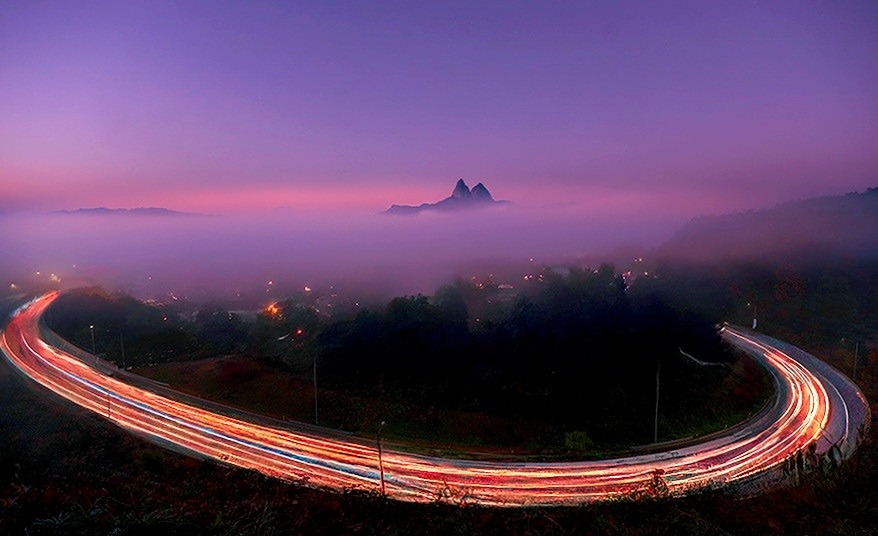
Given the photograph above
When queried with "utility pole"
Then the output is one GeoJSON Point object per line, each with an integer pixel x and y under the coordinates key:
{"type": "Point", "coordinates": [856, 356]}
{"type": "Point", "coordinates": [93, 349]}
{"type": "Point", "coordinates": [380, 460]}
{"type": "Point", "coordinates": [122, 344]}
{"type": "Point", "coordinates": [658, 370]}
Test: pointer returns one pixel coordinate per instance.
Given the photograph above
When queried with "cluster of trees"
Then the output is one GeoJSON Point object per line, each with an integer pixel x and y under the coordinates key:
{"type": "Point", "coordinates": [122, 325]}
{"type": "Point", "coordinates": [581, 351]}
{"type": "Point", "coordinates": [146, 334]}
{"type": "Point", "coordinates": [812, 301]}
{"type": "Point", "coordinates": [578, 351]}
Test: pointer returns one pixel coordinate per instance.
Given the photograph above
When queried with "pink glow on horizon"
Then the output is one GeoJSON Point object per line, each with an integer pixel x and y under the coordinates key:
{"type": "Point", "coordinates": [242, 199]}
{"type": "Point", "coordinates": [677, 202]}
{"type": "Point", "coordinates": [601, 108]}
{"type": "Point", "coordinates": [595, 201]}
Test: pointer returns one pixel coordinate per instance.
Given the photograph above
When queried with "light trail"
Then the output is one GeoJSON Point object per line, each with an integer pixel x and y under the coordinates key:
{"type": "Point", "coordinates": [800, 425]}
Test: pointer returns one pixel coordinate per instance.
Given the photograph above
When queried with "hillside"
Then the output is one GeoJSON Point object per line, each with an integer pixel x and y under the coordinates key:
{"type": "Point", "coordinates": [845, 225]}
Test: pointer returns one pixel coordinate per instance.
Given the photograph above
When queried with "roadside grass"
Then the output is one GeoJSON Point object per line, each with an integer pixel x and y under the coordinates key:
{"type": "Point", "coordinates": [747, 381]}
{"type": "Point", "coordinates": [253, 385]}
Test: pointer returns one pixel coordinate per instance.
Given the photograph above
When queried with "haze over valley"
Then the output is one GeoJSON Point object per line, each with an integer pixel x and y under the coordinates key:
{"type": "Point", "coordinates": [296, 247]}
{"type": "Point", "coordinates": [154, 252]}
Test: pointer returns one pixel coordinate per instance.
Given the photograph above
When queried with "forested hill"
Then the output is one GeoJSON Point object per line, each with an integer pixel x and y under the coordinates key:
{"type": "Point", "coordinates": [837, 225]}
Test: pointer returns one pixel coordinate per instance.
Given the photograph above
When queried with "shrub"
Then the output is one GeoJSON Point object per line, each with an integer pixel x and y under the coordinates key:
{"type": "Point", "coordinates": [578, 441]}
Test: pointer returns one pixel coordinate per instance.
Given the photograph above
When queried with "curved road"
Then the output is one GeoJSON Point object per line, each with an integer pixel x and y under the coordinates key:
{"type": "Point", "coordinates": [817, 415]}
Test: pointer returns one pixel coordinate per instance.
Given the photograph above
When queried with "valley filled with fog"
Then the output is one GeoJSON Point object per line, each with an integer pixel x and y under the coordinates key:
{"type": "Point", "coordinates": [223, 255]}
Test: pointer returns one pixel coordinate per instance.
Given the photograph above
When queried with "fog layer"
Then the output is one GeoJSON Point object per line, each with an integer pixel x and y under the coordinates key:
{"type": "Point", "coordinates": [220, 254]}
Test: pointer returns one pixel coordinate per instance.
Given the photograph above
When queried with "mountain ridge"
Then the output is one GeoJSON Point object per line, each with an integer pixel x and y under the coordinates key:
{"type": "Point", "coordinates": [842, 224]}
{"type": "Point", "coordinates": [462, 198]}
{"type": "Point", "coordinates": [138, 211]}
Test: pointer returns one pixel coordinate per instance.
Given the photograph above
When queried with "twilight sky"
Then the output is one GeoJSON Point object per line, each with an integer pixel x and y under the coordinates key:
{"type": "Point", "coordinates": [612, 107]}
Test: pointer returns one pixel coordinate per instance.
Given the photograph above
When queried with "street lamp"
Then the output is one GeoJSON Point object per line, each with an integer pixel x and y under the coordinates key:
{"type": "Point", "coordinates": [316, 353]}
{"type": "Point", "coordinates": [299, 333]}
{"type": "Point", "coordinates": [856, 357]}
{"type": "Point", "coordinates": [93, 350]}
{"type": "Point", "coordinates": [295, 338]}
{"type": "Point", "coordinates": [380, 460]}
{"type": "Point", "coordinates": [754, 313]}
{"type": "Point", "coordinates": [658, 369]}
{"type": "Point", "coordinates": [122, 345]}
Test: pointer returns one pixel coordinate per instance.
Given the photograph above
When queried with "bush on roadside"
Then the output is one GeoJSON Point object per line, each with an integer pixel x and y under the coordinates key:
{"type": "Point", "coordinates": [578, 441]}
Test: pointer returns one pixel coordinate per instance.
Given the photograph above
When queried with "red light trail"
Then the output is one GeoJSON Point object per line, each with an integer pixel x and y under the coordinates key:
{"type": "Point", "coordinates": [816, 413]}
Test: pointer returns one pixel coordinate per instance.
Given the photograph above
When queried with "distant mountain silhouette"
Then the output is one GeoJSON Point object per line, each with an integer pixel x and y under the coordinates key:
{"type": "Point", "coordinates": [462, 198]}
{"type": "Point", "coordinates": [837, 225]}
{"type": "Point", "coordinates": [140, 211]}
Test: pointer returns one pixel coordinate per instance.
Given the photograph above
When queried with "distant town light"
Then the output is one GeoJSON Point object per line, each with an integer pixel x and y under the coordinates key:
{"type": "Point", "coordinates": [307, 288]}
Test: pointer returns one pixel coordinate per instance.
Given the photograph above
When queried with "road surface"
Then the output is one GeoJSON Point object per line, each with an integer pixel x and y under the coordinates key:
{"type": "Point", "coordinates": [817, 416]}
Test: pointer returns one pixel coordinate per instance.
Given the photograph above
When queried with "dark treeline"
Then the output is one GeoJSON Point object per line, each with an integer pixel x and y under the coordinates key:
{"type": "Point", "coordinates": [580, 351]}
{"type": "Point", "coordinates": [812, 300]}
{"type": "Point", "coordinates": [122, 324]}
{"type": "Point", "coordinates": [149, 333]}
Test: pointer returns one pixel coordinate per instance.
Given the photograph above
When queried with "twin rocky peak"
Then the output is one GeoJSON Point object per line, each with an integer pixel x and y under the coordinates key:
{"type": "Point", "coordinates": [462, 198]}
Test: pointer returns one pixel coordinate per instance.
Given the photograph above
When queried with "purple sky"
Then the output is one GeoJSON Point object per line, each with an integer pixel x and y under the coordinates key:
{"type": "Point", "coordinates": [614, 107]}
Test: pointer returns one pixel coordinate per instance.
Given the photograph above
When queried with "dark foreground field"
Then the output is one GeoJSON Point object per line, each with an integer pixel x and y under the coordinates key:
{"type": "Point", "coordinates": [65, 471]}
{"type": "Point", "coordinates": [254, 385]}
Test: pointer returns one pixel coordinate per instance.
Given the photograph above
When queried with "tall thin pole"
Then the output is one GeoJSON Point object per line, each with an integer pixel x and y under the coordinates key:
{"type": "Point", "coordinates": [315, 387]}
{"type": "Point", "coordinates": [93, 349]}
{"type": "Point", "coordinates": [658, 370]}
{"type": "Point", "coordinates": [856, 356]}
{"type": "Point", "coordinates": [122, 344]}
{"type": "Point", "coordinates": [380, 460]}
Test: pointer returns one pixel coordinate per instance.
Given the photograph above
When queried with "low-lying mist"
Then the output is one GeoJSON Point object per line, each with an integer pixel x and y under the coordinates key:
{"type": "Point", "coordinates": [221, 255]}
